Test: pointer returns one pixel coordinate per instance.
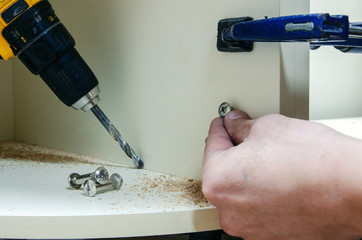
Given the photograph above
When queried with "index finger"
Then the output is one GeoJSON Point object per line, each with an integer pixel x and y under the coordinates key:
{"type": "Point", "coordinates": [218, 138]}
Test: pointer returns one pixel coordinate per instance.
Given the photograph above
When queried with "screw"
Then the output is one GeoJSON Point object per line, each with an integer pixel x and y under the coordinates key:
{"type": "Point", "coordinates": [224, 109]}
{"type": "Point", "coordinates": [91, 188]}
{"type": "Point", "coordinates": [100, 175]}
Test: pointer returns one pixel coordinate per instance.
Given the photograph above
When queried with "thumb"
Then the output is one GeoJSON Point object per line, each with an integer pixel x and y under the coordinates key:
{"type": "Point", "coordinates": [237, 125]}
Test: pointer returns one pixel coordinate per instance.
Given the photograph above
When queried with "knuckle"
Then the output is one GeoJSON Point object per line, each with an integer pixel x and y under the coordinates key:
{"type": "Point", "coordinates": [269, 118]}
{"type": "Point", "coordinates": [230, 227]}
{"type": "Point", "coordinates": [210, 191]}
{"type": "Point", "coordinates": [225, 224]}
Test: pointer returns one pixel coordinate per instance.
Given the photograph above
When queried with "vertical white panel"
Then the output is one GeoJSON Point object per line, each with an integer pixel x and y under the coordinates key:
{"type": "Point", "coordinates": [161, 79]}
{"type": "Point", "coordinates": [294, 100]}
{"type": "Point", "coordinates": [6, 102]}
{"type": "Point", "coordinates": [335, 76]}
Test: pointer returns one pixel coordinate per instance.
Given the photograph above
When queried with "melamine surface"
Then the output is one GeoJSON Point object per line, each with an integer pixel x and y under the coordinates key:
{"type": "Point", "coordinates": [161, 79]}
{"type": "Point", "coordinates": [37, 202]}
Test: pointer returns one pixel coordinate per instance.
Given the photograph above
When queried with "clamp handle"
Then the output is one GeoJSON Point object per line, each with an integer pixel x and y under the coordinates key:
{"type": "Point", "coordinates": [238, 34]}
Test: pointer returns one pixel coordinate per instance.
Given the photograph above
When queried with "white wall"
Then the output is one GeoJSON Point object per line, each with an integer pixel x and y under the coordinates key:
{"type": "Point", "coordinates": [161, 79]}
{"type": "Point", "coordinates": [6, 102]}
{"type": "Point", "coordinates": [336, 78]}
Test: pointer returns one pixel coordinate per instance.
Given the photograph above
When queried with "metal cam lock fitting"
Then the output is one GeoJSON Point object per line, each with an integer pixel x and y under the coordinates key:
{"type": "Point", "coordinates": [91, 188]}
{"type": "Point", "coordinates": [100, 175]}
{"type": "Point", "coordinates": [224, 109]}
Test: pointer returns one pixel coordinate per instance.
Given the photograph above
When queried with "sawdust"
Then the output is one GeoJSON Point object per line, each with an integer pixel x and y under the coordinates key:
{"type": "Point", "coordinates": [182, 189]}
{"type": "Point", "coordinates": [35, 153]}
{"type": "Point", "coordinates": [173, 189]}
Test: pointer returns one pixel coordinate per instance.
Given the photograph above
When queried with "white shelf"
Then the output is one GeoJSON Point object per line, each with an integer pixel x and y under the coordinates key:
{"type": "Point", "coordinates": [37, 202]}
{"type": "Point", "coordinates": [349, 126]}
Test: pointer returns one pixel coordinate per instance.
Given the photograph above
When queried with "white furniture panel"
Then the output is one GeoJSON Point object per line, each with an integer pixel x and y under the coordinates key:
{"type": "Point", "coordinates": [39, 203]}
{"type": "Point", "coordinates": [161, 80]}
{"type": "Point", "coordinates": [294, 67]}
{"type": "Point", "coordinates": [6, 102]}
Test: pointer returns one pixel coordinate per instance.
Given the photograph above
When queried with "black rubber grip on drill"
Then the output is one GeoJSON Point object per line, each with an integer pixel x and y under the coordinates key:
{"type": "Point", "coordinates": [46, 48]}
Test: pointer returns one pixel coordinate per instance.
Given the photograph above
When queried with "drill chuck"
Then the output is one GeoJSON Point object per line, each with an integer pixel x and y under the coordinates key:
{"type": "Point", "coordinates": [47, 49]}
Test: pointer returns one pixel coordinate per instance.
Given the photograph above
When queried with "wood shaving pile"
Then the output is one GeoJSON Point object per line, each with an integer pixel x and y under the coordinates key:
{"type": "Point", "coordinates": [184, 189]}
{"type": "Point", "coordinates": [30, 152]}
{"type": "Point", "coordinates": [172, 188]}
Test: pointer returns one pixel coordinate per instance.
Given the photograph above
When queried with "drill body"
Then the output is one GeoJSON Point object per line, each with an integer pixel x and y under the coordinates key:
{"type": "Point", "coordinates": [31, 30]}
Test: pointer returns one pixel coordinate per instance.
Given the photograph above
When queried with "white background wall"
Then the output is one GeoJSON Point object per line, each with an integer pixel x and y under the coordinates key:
{"type": "Point", "coordinates": [335, 77]}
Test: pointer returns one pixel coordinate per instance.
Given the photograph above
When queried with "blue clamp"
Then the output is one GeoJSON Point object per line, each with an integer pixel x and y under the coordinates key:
{"type": "Point", "coordinates": [238, 34]}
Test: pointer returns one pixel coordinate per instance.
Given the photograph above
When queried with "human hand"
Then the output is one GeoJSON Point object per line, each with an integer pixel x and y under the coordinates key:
{"type": "Point", "coordinates": [282, 178]}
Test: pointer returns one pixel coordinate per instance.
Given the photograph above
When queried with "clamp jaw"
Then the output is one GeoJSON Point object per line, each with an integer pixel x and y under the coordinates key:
{"type": "Point", "coordinates": [238, 34]}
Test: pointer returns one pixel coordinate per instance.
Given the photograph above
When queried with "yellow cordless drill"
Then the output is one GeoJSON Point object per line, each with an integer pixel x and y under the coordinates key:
{"type": "Point", "coordinates": [31, 30]}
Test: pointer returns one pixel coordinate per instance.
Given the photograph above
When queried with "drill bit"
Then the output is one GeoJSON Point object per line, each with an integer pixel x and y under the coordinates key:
{"type": "Point", "coordinates": [117, 136]}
